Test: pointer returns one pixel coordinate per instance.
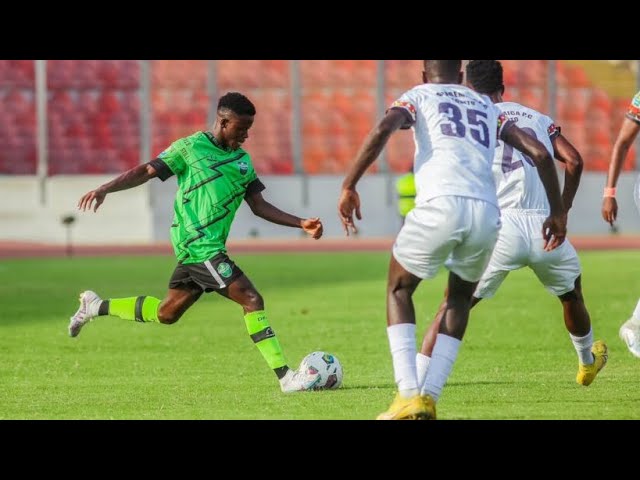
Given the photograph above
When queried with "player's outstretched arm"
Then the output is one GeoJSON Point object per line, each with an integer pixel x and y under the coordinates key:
{"type": "Point", "coordinates": [129, 179]}
{"type": "Point", "coordinates": [628, 133]}
{"type": "Point", "coordinates": [374, 143]}
{"type": "Point", "coordinates": [263, 209]}
{"type": "Point", "coordinates": [565, 152]}
{"type": "Point", "coordinates": [554, 229]}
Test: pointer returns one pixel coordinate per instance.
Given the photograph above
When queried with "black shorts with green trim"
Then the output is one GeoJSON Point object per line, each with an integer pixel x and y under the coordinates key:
{"type": "Point", "coordinates": [216, 273]}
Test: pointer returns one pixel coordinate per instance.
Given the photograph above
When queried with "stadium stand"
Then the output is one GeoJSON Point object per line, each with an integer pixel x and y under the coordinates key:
{"type": "Point", "coordinates": [94, 109]}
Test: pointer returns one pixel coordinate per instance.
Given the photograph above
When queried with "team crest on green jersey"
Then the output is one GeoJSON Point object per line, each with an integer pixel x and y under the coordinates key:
{"type": "Point", "coordinates": [224, 269]}
{"type": "Point", "coordinates": [243, 167]}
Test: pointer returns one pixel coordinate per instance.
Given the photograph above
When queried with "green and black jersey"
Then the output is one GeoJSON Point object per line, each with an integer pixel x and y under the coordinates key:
{"type": "Point", "coordinates": [212, 182]}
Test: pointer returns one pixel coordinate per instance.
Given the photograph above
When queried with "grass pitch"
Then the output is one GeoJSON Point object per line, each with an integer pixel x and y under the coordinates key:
{"type": "Point", "coordinates": [516, 362]}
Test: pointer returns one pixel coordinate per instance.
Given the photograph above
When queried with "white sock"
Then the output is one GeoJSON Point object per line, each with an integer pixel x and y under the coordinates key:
{"type": "Point", "coordinates": [422, 364]}
{"type": "Point", "coordinates": [402, 342]}
{"type": "Point", "coordinates": [583, 347]}
{"type": "Point", "coordinates": [443, 357]}
{"type": "Point", "coordinates": [636, 314]}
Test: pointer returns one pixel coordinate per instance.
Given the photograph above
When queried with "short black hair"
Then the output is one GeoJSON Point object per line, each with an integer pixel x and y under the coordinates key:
{"type": "Point", "coordinates": [485, 76]}
{"type": "Point", "coordinates": [442, 68]}
{"type": "Point", "coordinates": [237, 103]}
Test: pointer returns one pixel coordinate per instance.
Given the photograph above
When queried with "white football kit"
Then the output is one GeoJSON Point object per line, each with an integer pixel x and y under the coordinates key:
{"type": "Point", "coordinates": [633, 114]}
{"type": "Point", "coordinates": [524, 205]}
{"type": "Point", "coordinates": [456, 219]}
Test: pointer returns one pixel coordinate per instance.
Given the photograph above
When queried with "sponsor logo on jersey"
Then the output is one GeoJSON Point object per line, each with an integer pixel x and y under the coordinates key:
{"type": "Point", "coordinates": [224, 269]}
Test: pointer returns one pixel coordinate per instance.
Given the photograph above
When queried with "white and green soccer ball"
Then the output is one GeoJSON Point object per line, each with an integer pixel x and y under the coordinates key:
{"type": "Point", "coordinates": [327, 365]}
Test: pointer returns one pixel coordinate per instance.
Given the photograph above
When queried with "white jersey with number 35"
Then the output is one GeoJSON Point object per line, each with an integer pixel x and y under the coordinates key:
{"type": "Point", "coordinates": [517, 180]}
{"type": "Point", "coordinates": [455, 134]}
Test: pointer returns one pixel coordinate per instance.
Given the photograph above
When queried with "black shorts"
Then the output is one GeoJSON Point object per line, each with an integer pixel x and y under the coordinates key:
{"type": "Point", "coordinates": [215, 274]}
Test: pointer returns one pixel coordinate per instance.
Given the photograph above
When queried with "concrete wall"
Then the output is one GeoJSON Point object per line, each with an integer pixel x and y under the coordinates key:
{"type": "Point", "coordinates": [124, 217]}
{"type": "Point", "coordinates": [585, 217]}
{"type": "Point", "coordinates": [286, 193]}
{"type": "Point", "coordinates": [379, 206]}
{"type": "Point", "coordinates": [144, 214]}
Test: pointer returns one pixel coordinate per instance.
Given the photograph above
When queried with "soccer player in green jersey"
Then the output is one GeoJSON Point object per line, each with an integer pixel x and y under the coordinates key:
{"type": "Point", "coordinates": [214, 175]}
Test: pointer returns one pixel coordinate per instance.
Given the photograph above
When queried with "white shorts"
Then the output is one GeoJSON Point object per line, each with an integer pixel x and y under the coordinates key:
{"type": "Point", "coordinates": [457, 232]}
{"type": "Point", "coordinates": [520, 244]}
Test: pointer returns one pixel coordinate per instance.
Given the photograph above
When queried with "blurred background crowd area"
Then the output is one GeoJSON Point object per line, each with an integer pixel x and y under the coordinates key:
{"type": "Point", "coordinates": [311, 114]}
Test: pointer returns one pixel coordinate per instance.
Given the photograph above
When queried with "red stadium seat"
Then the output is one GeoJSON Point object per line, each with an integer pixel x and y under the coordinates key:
{"type": "Point", "coordinates": [577, 77]}
{"type": "Point", "coordinates": [200, 101]}
{"type": "Point", "coordinates": [129, 74]}
{"type": "Point", "coordinates": [600, 100]}
{"type": "Point", "coordinates": [109, 73]}
{"type": "Point", "coordinates": [17, 102]}
{"type": "Point", "coordinates": [596, 158]}
{"type": "Point", "coordinates": [533, 73]}
{"type": "Point", "coordinates": [131, 102]}
{"type": "Point", "coordinates": [315, 73]}
{"type": "Point", "coordinates": [88, 101]}
{"type": "Point", "coordinates": [578, 104]}
{"type": "Point", "coordinates": [534, 98]}
{"type": "Point", "coordinates": [76, 130]}
{"type": "Point", "coordinates": [275, 73]}
{"type": "Point", "coordinates": [342, 73]}
{"type": "Point", "coordinates": [403, 74]}
{"type": "Point", "coordinates": [510, 77]}
{"type": "Point", "coordinates": [109, 102]}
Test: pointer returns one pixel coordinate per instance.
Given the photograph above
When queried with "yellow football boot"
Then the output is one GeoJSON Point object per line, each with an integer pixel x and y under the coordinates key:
{"type": "Point", "coordinates": [587, 373]}
{"type": "Point", "coordinates": [418, 407]}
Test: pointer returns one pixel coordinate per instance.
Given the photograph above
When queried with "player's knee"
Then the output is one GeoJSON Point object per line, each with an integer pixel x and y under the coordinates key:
{"type": "Point", "coordinates": [253, 301]}
{"type": "Point", "coordinates": [398, 291]}
{"type": "Point", "coordinates": [572, 296]}
{"type": "Point", "coordinates": [459, 298]}
{"type": "Point", "coordinates": [168, 316]}
{"type": "Point", "coordinates": [458, 302]}
{"type": "Point", "coordinates": [401, 286]}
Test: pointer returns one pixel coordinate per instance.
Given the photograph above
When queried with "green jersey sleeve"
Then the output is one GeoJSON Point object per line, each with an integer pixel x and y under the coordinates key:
{"type": "Point", "coordinates": [173, 159]}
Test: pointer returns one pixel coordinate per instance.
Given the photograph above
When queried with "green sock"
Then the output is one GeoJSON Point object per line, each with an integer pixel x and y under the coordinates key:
{"type": "Point", "coordinates": [265, 339]}
{"type": "Point", "coordinates": [140, 309]}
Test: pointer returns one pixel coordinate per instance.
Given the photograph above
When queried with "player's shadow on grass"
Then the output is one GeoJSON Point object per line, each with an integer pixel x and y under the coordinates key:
{"type": "Point", "coordinates": [479, 382]}
{"type": "Point", "coordinates": [391, 387]}
{"type": "Point", "coordinates": [366, 386]}
{"type": "Point", "coordinates": [318, 269]}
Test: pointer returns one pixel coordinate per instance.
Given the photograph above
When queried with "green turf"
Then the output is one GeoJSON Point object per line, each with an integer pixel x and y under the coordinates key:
{"type": "Point", "coordinates": [517, 361]}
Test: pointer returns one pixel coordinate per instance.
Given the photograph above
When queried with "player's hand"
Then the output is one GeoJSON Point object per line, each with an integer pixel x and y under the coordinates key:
{"type": "Point", "coordinates": [609, 210]}
{"type": "Point", "coordinates": [313, 226]}
{"type": "Point", "coordinates": [554, 231]}
{"type": "Point", "coordinates": [88, 198]}
{"type": "Point", "coordinates": [349, 201]}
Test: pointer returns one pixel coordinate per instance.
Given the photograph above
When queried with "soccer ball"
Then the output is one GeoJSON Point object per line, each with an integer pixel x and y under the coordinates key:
{"type": "Point", "coordinates": [327, 365]}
